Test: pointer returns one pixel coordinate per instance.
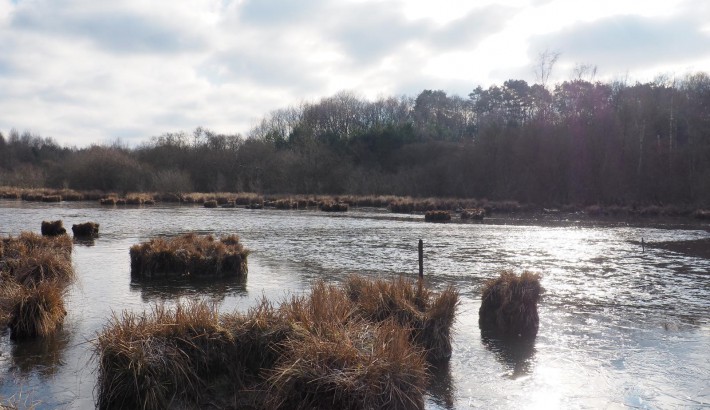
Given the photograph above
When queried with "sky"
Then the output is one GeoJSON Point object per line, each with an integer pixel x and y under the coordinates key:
{"type": "Point", "coordinates": [88, 71]}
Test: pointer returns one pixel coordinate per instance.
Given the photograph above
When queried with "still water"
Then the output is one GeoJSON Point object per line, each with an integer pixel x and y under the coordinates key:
{"type": "Point", "coordinates": [619, 328]}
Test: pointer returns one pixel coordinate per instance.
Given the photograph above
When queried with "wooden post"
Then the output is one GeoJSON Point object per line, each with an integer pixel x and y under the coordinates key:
{"type": "Point", "coordinates": [421, 259]}
{"type": "Point", "coordinates": [643, 246]}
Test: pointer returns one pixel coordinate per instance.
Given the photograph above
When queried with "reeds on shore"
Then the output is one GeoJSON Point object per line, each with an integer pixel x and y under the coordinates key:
{"type": "Point", "coordinates": [332, 348]}
{"type": "Point", "coordinates": [189, 255]}
{"type": "Point", "coordinates": [509, 304]}
{"type": "Point", "coordinates": [334, 207]}
{"type": "Point", "coordinates": [34, 274]}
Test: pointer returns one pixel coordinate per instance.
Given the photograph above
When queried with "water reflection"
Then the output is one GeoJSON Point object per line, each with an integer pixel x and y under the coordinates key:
{"type": "Point", "coordinates": [517, 355]}
{"type": "Point", "coordinates": [215, 289]}
{"type": "Point", "coordinates": [88, 242]}
{"type": "Point", "coordinates": [41, 356]}
{"type": "Point", "coordinates": [441, 385]}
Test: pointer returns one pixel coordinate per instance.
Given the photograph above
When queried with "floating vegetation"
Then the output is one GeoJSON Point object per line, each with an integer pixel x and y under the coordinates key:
{"type": "Point", "coordinates": [333, 348]}
{"type": "Point", "coordinates": [53, 228]}
{"type": "Point", "coordinates": [86, 230]}
{"type": "Point", "coordinates": [189, 254]}
{"type": "Point", "coordinates": [509, 304]}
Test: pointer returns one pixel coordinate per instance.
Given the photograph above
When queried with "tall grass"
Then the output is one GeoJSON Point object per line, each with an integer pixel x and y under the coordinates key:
{"type": "Point", "coordinates": [53, 228]}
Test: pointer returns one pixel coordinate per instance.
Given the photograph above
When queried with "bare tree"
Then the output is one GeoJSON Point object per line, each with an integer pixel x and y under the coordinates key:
{"type": "Point", "coordinates": [543, 66]}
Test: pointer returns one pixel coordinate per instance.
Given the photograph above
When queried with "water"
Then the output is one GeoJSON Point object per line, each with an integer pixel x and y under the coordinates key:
{"type": "Point", "coordinates": [619, 327]}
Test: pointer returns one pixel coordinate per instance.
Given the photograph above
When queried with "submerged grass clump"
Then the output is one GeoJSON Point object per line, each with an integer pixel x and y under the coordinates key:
{"type": "Point", "coordinates": [189, 254]}
{"type": "Point", "coordinates": [34, 274]}
{"type": "Point", "coordinates": [509, 304]}
{"type": "Point", "coordinates": [336, 347]}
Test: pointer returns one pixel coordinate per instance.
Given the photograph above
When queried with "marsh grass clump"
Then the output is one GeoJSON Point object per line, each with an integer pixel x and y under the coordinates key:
{"type": "Point", "coordinates": [429, 316]}
{"type": "Point", "coordinates": [326, 349]}
{"type": "Point", "coordinates": [86, 230]}
{"type": "Point", "coordinates": [38, 311]}
{"type": "Point", "coordinates": [334, 207]}
{"type": "Point", "coordinates": [53, 228]}
{"type": "Point", "coordinates": [509, 304]}
{"type": "Point", "coordinates": [210, 204]}
{"type": "Point", "coordinates": [437, 216]}
{"type": "Point", "coordinates": [476, 214]}
{"type": "Point", "coordinates": [108, 201]}
{"type": "Point", "coordinates": [52, 198]}
{"type": "Point", "coordinates": [34, 273]}
{"type": "Point", "coordinates": [189, 254]}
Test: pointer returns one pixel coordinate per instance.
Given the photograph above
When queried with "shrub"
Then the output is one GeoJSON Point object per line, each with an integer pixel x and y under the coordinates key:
{"type": "Point", "coordinates": [509, 304]}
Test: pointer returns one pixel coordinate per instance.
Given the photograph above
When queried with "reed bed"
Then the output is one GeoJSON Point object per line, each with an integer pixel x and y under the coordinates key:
{"type": "Point", "coordinates": [437, 216]}
{"type": "Point", "coordinates": [108, 201]}
{"type": "Point", "coordinates": [316, 351]}
{"type": "Point", "coordinates": [34, 274]}
{"type": "Point", "coordinates": [52, 198]}
{"type": "Point", "coordinates": [509, 304]}
{"type": "Point", "coordinates": [85, 230]}
{"type": "Point", "coordinates": [286, 203]}
{"type": "Point", "coordinates": [53, 228]}
{"type": "Point", "coordinates": [189, 255]}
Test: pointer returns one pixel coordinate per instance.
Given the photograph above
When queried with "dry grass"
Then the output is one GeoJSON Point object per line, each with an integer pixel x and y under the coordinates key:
{"type": "Point", "coordinates": [189, 254]}
{"type": "Point", "coordinates": [108, 201]}
{"type": "Point", "coordinates": [476, 214]}
{"type": "Point", "coordinates": [52, 198]}
{"type": "Point", "coordinates": [86, 230]}
{"type": "Point", "coordinates": [437, 216]}
{"type": "Point", "coordinates": [210, 204]}
{"type": "Point", "coordinates": [34, 273]}
{"type": "Point", "coordinates": [318, 351]}
{"type": "Point", "coordinates": [509, 304]}
{"type": "Point", "coordinates": [334, 207]}
{"type": "Point", "coordinates": [53, 228]}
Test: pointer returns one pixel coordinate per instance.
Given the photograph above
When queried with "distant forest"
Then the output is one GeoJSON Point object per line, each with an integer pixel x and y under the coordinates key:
{"type": "Point", "coordinates": [575, 142]}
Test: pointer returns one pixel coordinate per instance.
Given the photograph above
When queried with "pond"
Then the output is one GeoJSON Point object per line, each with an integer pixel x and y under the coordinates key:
{"type": "Point", "coordinates": [619, 327]}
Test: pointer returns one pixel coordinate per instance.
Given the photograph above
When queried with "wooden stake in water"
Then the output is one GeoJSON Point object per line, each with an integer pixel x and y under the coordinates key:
{"type": "Point", "coordinates": [643, 246]}
{"type": "Point", "coordinates": [421, 259]}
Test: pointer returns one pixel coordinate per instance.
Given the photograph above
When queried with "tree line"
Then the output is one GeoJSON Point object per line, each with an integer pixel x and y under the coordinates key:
{"type": "Point", "coordinates": [574, 142]}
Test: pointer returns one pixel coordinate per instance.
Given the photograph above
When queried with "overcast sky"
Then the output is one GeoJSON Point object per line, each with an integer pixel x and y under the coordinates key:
{"type": "Point", "coordinates": [88, 71]}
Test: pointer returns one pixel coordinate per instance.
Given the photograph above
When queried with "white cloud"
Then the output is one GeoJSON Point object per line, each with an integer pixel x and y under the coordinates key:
{"type": "Point", "coordinates": [84, 71]}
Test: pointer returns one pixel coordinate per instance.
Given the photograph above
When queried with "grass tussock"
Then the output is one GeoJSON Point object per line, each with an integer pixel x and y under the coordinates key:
{"type": "Point", "coordinates": [334, 207]}
{"type": "Point", "coordinates": [34, 274]}
{"type": "Point", "coordinates": [509, 304]}
{"type": "Point", "coordinates": [437, 216]}
{"type": "Point", "coordinates": [108, 201]}
{"type": "Point", "coordinates": [53, 228]}
{"type": "Point", "coordinates": [212, 203]}
{"type": "Point", "coordinates": [85, 230]}
{"type": "Point", "coordinates": [477, 214]}
{"type": "Point", "coordinates": [189, 254]}
{"type": "Point", "coordinates": [333, 348]}
{"type": "Point", "coordinates": [52, 198]}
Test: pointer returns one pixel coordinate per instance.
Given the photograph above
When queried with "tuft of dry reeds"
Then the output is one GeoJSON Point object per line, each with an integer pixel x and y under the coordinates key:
{"type": "Point", "coordinates": [86, 230]}
{"type": "Point", "coordinates": [53, 228]}
{"type": "Point", "coordinates": [38, 311]}
{"type": "Point", "coordinates": [474, 213]}
{"type": "Point", "coordinates": [437, 216]}
{"type": "Point", "coordinates": [52, 198]}
{"type": "Point", "coordinates": [210, 204]}
{"type": "Point", "coordinates": [509, 304]}
{"type": "Point", "coordinates": [108, 201]}
{"type": "Point", "coordinates": [330, 348]}
{"type": "Point", "coordinates": [34, 273]}
{"type": "Point", "coordinates": [334, 207]}
{"type": "Point", "coordinates": [188, 255]}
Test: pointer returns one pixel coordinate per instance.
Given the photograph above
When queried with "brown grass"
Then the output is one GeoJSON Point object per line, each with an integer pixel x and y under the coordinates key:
{"type": "Point", "coordinates": [38, 311]}
{"type": "Point", "coordinates": [509, 304]}
{"type": "Point", "coordinates": [189, 254]}
{"type": "Point", "coordinates": [52, 198]}
{"type": "Point", "coordinates": [210, 204]}
{"type": "Point", "coordinates": [334, 207]}
{"type": "Point", "coordinates": [53, 228]}
{"type": "Point", "coordinates": [315, 351]}
{"type": "Point", "coordinates": [108, 201]}
{"type": "Point", "coordinates": [31, 259]}
{"type": "Point", "coordinates": [86, 230]}
{"type": "Point", "coordinates": [437, 216]}
{"type": "Point", "coordinates": [476, 214]}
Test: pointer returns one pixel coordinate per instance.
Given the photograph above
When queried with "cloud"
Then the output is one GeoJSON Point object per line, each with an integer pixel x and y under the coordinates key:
{"type": "Point", "coordinates": [117, 30]}
{"type": "Point", "coordinates": [629, 42]}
